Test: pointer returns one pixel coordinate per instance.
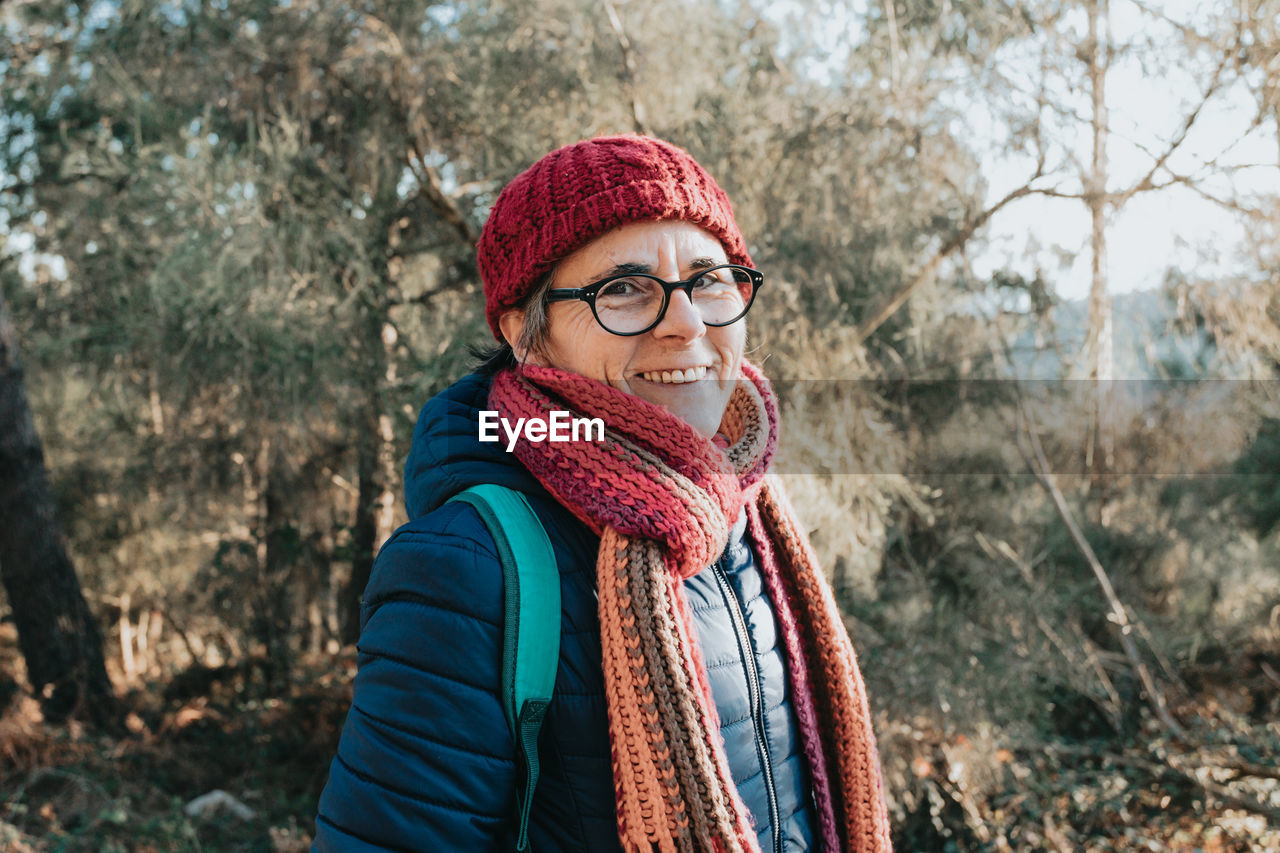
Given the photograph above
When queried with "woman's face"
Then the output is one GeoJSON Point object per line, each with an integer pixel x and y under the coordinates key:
{"type": "Point", "coordinates": [681, 342]}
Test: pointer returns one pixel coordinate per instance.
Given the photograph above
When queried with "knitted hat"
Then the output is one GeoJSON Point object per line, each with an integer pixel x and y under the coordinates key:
{"type": "Point", "coordinates": [582, 191]}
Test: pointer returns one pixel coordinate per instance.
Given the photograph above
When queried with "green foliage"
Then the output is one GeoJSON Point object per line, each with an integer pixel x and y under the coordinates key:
{"type": "Point", "coordinates": [1258, 470]}
{"type": "Point", "coordinates": [247, 197]}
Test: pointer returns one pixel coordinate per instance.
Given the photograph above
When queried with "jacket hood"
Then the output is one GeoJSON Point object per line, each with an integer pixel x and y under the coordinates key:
{"type": "Point", "coordinates": [447, 456]}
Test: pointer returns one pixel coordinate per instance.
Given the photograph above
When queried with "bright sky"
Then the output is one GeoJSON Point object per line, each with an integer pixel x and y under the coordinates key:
{"type": "Point", "coordinates": [1174, 227]}
{"type": "Point", "coordinates": [1152, 232]}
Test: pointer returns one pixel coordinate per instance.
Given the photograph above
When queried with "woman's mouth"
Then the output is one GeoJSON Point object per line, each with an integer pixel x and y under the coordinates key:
{"type": "Point", "coordinates": [675, 377]}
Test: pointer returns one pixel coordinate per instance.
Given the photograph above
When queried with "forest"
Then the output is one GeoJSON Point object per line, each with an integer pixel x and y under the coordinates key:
{"type": "Point", "coordinates": [237, 255]}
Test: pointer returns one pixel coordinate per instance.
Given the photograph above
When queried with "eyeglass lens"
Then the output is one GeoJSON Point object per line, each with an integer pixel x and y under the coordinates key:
{"type": "Point", "coordinates": [632, 303]}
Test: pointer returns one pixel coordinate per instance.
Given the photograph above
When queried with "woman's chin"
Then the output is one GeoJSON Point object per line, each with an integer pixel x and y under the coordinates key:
{"type": "Point", "coordinates": [700, 404]}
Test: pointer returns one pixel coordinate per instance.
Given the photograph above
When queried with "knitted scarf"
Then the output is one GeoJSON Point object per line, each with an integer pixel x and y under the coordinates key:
{"type": "Point", "coordinates": [663, 499]}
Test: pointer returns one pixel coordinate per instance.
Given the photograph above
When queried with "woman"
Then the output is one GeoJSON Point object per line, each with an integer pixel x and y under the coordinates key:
{"type": "Point", "coordinates": [706, 696]}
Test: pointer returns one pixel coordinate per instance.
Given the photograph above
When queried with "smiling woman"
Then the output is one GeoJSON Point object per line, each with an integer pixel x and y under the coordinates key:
{"type": "Point", "coordinates": [706, 695]}
{"type": "Point", "coordinates": [678, 342]}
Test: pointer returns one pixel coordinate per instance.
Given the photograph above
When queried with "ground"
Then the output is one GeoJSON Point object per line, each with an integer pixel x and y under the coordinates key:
{"type": "Point", "coordinates": [266, 738]}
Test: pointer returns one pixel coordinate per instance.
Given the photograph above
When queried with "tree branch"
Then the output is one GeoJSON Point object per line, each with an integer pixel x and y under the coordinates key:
{"type": "Point", "coordinates": [1240, 768]}
{"type": "Point", "coordinates": [1185, 30]}
{"type": "Point", "coordinates": [430, 188]}
{"type": "Point", "coordinates": [118, 181]}
{"type": "Point", "coordinates": [1033, 453]}
{"type": "Point", "coordinates": [1052, 193]}
{"type": "Point", "coordinates": [416, 130]}
{"type": "Point", "coordinates": [1112, 707]}
{"type": "Point", "coordinates": [1166, 769]}
{"type": "Point", "coordinates": [629, 68]}
{"type": "Point", "coordinates": [1225, 203]}
{"type": "Point", "coordinates": [890, 306]}
{"type": "Point", "coordinates": [1147, 180]}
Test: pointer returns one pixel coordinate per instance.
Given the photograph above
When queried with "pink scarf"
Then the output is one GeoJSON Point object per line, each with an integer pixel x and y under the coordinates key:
{"type": "Point", "coordinates": [662, 498]}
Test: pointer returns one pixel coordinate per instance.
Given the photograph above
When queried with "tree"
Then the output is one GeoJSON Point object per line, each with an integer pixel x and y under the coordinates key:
{"type": "Point", "coordinates": [244, 197]}
{"type": "Point", "coordinates": [229, 284]}
{"type": "Point", "coordinates": [1260, 50]}
{"type": "Point", "coordinates": [57, 634]}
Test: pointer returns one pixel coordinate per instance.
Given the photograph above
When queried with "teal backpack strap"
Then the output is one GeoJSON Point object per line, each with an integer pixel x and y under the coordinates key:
{"type": "Point", "coordinates": [531, 633]}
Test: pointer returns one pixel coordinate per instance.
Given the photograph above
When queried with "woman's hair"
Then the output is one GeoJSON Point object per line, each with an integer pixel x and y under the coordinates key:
{"type": "Point", "coordinates": [533, 336]}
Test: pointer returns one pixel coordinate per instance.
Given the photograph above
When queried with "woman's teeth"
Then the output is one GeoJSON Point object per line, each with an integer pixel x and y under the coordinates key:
{"type": "Point", "coordinates": [676, 377]}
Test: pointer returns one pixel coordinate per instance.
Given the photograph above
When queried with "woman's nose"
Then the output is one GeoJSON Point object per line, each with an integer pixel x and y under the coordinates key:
{"type": "Point", "coordinates": [683, 319]}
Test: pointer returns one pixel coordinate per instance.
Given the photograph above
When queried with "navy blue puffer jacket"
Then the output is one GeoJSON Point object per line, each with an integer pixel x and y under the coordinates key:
{"type": "Point", "coordinates": [426, 761]}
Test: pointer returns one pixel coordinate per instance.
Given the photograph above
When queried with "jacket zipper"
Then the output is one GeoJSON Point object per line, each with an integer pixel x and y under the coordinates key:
{"type": "Point", "coordinates": [757, 700]}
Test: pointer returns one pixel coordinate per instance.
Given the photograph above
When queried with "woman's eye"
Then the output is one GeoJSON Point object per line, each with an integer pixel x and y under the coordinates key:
{"type": "Point", "coordinates": [619, 287]}
{"type": "Point", "coordinates": [628, 288]}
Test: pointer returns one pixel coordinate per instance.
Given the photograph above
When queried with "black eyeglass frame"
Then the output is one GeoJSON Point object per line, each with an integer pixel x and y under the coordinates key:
{"type": "Point", "coordinates": [588, 294]}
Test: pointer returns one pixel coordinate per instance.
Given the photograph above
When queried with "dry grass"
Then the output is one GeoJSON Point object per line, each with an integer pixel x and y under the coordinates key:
{"type": "Point", "coordinates": [268, 745]}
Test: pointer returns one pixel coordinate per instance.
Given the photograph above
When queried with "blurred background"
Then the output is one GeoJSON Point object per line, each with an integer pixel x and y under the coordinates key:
{"type": "Point", "coordinates": [1022, 308]}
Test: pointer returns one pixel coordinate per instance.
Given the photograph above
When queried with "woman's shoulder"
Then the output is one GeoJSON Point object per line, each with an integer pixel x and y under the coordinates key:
{"type": "Point", "coordinates": [454, 524]}
{"type": "Point", "coordinates": [449, 556]}
{"type": "Point", "coordinates": [445, 558]}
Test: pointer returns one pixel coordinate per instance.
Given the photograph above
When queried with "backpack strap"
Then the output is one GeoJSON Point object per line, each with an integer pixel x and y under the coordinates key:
{"type": "Point", "coordinates": [531, 632]}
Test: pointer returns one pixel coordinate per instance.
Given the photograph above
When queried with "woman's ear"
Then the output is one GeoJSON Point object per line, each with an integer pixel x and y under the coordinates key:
{"type": "Point", "coordinates": [511, 325]}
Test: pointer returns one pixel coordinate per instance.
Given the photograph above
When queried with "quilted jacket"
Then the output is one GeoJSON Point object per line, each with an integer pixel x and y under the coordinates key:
{"type": "Point", "coordinates": [426, 761]}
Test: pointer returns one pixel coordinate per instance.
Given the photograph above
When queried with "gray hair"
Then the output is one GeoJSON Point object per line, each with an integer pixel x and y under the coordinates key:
{"type": "Point", "coordinates": [533, 336]}
{"type": "Point", "coordinates": [537, 325]}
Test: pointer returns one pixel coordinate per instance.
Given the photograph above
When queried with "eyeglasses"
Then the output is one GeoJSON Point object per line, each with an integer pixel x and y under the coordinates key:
{"type": "Point", "coordinates": [633, 303]}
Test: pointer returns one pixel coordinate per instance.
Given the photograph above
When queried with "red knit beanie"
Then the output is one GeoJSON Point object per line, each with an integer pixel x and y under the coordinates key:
{"type": "Point", "coordinates": [582, 191]}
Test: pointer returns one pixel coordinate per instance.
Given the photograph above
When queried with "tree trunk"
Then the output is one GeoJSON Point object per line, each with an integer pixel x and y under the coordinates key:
{"type": "Point", "coordinates": [57, 634]}
{"type": "Point", "coordinates": [278, 554]}
{"type": "Point", "coordinates": [387, 463]}
{"type": "Point", "coordinates": [1099, 354]}
{"type": "Point", "coordinates": [1275, 109]}
{"type": "Point", "coordinates": [369, 529]}
{"type": "Point", "coordinates": [376, 464]}
{"type": "Point", "coordinates": [364, 533]}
